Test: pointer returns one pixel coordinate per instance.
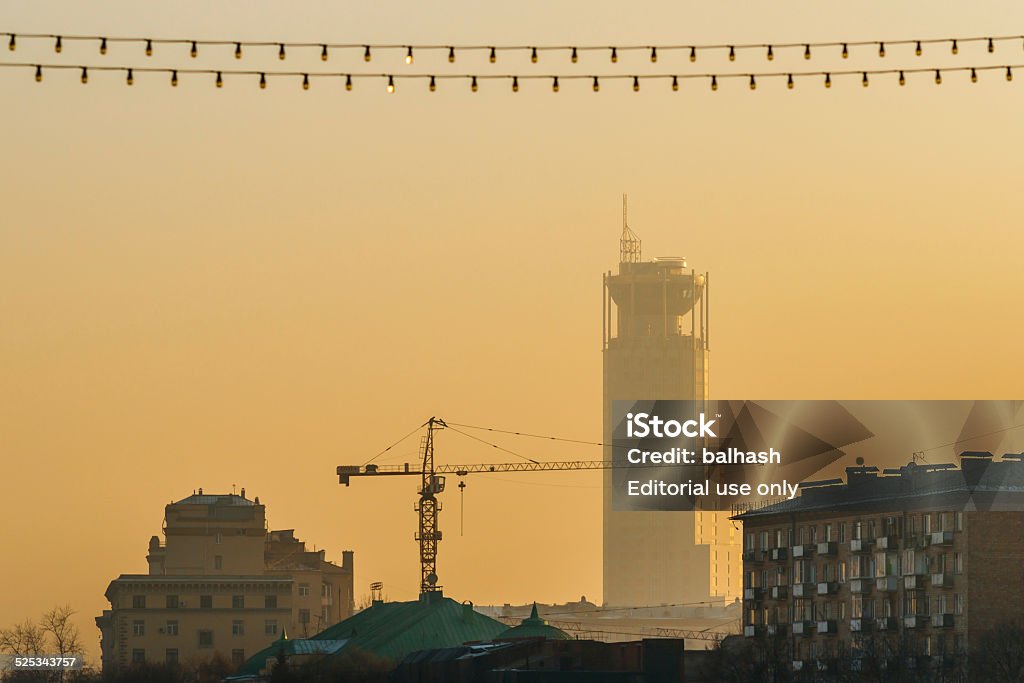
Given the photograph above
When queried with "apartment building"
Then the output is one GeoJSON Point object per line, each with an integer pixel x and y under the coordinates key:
{"type": "Point", "coordinates": [902, 568]}
{"type": "Point", "coordinates": [222, 584]}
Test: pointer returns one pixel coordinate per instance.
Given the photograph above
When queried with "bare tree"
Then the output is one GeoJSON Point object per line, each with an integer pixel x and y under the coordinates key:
{"type": "Point", "coordinates": [64, 634]}
{"type": "Point", "coordinates": [26, 638]}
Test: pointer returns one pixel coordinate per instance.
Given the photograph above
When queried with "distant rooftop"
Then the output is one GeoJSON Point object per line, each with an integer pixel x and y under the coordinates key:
{"type": "Point", "coordinates": [980, 483]}
{"type": "Point", "coordinates": [200, 498]}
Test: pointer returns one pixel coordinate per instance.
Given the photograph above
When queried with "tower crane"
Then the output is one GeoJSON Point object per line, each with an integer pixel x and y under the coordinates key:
{"type": "Point", "coordinates": [432, 484]}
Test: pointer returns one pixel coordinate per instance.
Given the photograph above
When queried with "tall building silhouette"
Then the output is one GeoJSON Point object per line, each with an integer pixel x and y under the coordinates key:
{"type": "Point", "coordinates": [656, 347]}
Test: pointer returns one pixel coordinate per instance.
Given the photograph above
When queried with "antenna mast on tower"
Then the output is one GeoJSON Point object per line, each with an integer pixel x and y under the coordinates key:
{"type": "Point", "coordinates": [629, 243]}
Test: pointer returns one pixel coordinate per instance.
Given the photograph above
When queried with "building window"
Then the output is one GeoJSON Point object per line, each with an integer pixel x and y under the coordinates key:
{"type": "Point", "coordinates": [270, 627]}
{"type": "Point", "coordinates": [237, 657]}
{"type": "Point", "coordinates": [206, 602]}
{"type": "Point", "coordinates": [172, 602]}
{"type": "Point", "coordinates": [958, 520]}
{"type": "Point", "coordinates": [171, 656]}
{"type": "Point", "coordinates": [303, 590]}
{"type": "Point", "coordinates": [172, 627]}
{"type": "Point", "coordinates": [217, 538]}
{"type": "Point", "coordinates": [958, 604]}
{"type": "Point", "coordinates": [842, 532]}
{"type": "Point", "coordinates": [138, 656]}
{"type": "Point", "coordinates": [303, 616]}
{"type": "Point", "coordinates": [138, 628]}
{"type": "Point", "coordinates": [238, 627]}
{"type": "Point", "coordinates": [205, 639]}
{"type": "Point", "coordinates": [958, 563]}
{"type": "Point", "coordinates": [827, 533]}
{"type": "Point", "coordinates": [218, 562]}
{"type": "Point", "coordinates": [237, 601]}
{"type": "Point", "coordinates": [138, 601]}
{"type": "Point", "coordinates": [270, 601]}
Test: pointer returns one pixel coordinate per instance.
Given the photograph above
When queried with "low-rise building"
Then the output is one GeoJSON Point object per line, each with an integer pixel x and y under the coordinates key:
{"type": "Point", "coordinates": [220, 583]}
{"type": "Point", "coordinates": [904, 568]}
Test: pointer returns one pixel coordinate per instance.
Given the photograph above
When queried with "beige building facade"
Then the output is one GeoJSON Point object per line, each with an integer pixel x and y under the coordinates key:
{"type": "Point", "coordinates": [221, 585]}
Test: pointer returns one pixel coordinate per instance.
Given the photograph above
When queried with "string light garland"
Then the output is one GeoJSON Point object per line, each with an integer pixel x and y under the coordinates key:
{"type": "Point", "coordinates": [390, 79]}
{"type": "Point", "coordinates": [571, 51]}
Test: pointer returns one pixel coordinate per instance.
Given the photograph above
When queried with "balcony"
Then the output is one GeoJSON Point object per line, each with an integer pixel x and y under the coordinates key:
{"type": "Point", "coordinates": [828, 548]}
{"type": "Point", "coordinates": [779, 592]}
{"type": "Point", "coordinates": [798, 665]}
{"type": "Point", "coordinates": [828, 588]}
{"type": "Point", "coordinates": [860, 586]}
{"type": "Point", "coordinates": [887, 543]}
{"type": "Point", "coordinates": [860, 545]}
{"type": "Point", "coordinates": [860, 625]}
{"type": "Point", "coordinates": [803, 628]}
{"type": "Point", "coordinates": [828, 626]}
{"type": "Point", "coordinates": [914, 582]}
{"type": "Point", "coordinates": [942, 620]}
{"type": "Point", "coordinates": [802, 551]}
{"type": "Point", "coordinates": [887, 584]}
{"type": "Point", "coordinates": [802, 590]}
{"type": "Point", "coordinates": [944, 538]}
{"type": "Point", "coordinates": [776, 629]}
{"type": "Point", "coordinates": [915, 621]}
{"type": "Point", "coordinates": [753, 556]}
{"type": "Point", "coordinates": [779, 554]}
{"type": "Point", "coordinates": [943, 580]}
{"type": "Point", "coordinates": [752, 593]}
{"type": "Point", "coordinates": [885, 623]}
{"type": "Point", "coordinates": [753, 630]}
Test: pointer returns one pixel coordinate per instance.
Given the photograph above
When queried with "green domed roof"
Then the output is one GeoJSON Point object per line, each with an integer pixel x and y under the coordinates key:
{"type": "Point", "coordinates": [534, 627]}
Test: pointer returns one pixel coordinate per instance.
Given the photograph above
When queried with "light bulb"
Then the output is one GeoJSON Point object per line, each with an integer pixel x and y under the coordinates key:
{"type": "Point", "coordinates": [57, 47]}
{"type": "Point", "coordinates": [263, 81]}
{"type": "Point", "coordinates": [408, 55]}
{"type": "Point", "coordinates": [597, 86]}
{"type": "Point", "coordinates": [807, 51]}
{"type": "Point", "coordinates": [103, 46]}
{"type": "Point", "coordinates": [771, 54]}
{"type": "Point", "coordinates": [280, 51]}
{"type": "Point", "coordinates": [789, 81]}
{"type": "Point", "coordinates": [194, 51]}
{"type": "Point", "coordinates": [846, 51]}
{"type": "Point", "coordinates": [636, 84]}
{"type": "Point", "coordinates": [974, 76]}
{"type": "Point", "coordinates": [433, 84]}
{"type": "Point", "coordinates": [753, 83]}
{"type": "Point", "coordinates": [39, 74]}
{"type": "Point", "coordinates": [451, 55]}
{"type": "Point", "coordinates": [472, 84]}
{"type": "Point", "coordinates": [938, 77]}
{"type": "Point", "coordinates": [305, 81]}
{"type": "Point", "coordinates": [323, 53]}
{"type": "Point", "coordinates": [954, 49]}
{"type": "Point", "coordinates": [554, 85]}
{"type": "Point", "coordinates": [515, 84]}
{"type": "Point", "coordinates": [828, 80]}
{"type": "Point", "coordinates": [903, 81]}
{"type": "Point", "coordinates": [13, 44]}
{"type": "Point", "coordinates": [917, 50]}
{"type": "Point", "coordinates": [391, 84]}
{"type": "Point", "coordinates": [533, 55]}
{"type": "Point", "coordinates": [732, 54]}
{"type": "Point", "coordinates": [615, 55]}
{"type": "Point", "coordinates": [130, 78]}
{"type": "Point", "coordinates": [366, 54]}
{"type": "Point", "coordinates": [220, 80]}
{"type": "Point", "coordinates": [881, 49]}
{"type": "Point", "coordinates": [693, 54]}
{"type": "Point", "coordinates": [991, 46]}
{"type": "Point", "coordinates": [574, 57]}
{"type": "Point", "coordinates": [675, 83]}
{"type": "Point", "coordinates": [149, 48]}
{"type": "Point", "coordinates": [864, 79]}
{"type": "Point", "coordinates": [238, 50]}
{"type": "Point", "coordinates": [714, 83]}
{"type": "Point", "coordinates": [1009, 74]}
{"type": "Point", "coordinates": [174, 79]}
{"type": "Point", "coordinates": [348, 82]}
{"type": "Point", "coordinates": [85, 75]}
{"type": "Point", "coordinates": [654, 54]}
{"type": "Point", "coordinates": [493, 56]}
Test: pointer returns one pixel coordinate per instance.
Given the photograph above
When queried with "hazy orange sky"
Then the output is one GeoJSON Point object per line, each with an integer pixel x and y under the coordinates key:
{"type": "Point", "coordinates": [207, 287]}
